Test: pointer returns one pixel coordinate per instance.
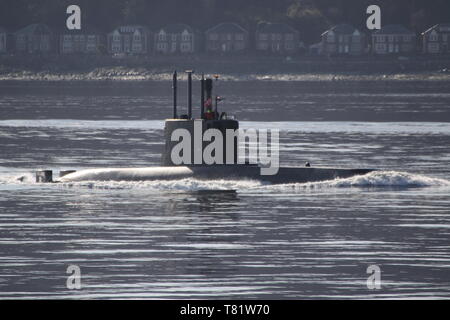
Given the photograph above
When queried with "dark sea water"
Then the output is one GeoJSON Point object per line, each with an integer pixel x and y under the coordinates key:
{"type": "Point", "coordinates": [235, 238]}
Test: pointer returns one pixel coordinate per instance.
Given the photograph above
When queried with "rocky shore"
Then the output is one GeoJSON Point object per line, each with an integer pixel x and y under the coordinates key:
{"type": "Point", "coordinates": [230, 68]}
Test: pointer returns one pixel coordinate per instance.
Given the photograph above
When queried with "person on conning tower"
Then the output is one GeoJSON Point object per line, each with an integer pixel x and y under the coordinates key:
{"type": "Point", "coordinates": [209, 112]}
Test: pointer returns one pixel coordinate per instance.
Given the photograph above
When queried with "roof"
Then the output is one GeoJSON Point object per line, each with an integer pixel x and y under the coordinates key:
{"type": "Point", "coordinates": [39, 28]}
{"type": "Point", "coordinates": [442, 27]}
{"type": "Point", "coordinates": [128, 29]}
{"type": "Point", "coordinates": [344, 29]}
{"type": "Point", "coordinates": [394, 29]}
{"type": "Point", "coordinates": [275, 28]}
{"type": "Point", "coordinates": [177, 28]}
{"type": "Point", "coordinates": [227, 27]}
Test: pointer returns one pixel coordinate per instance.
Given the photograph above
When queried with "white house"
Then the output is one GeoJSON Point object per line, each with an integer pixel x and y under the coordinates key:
{"type": "Point", "coordinates": [226, 37]}
{"type": "Point", "coordinates": [343, 39]}
{"type": "Point", "coordinates": [393, 39]}
{"type": "Point", "coordinates": [88, 40]}
{"type": "Point", "coordinates": [175, 38]}
{"type": "Point", "coordinates": [129, 40]}
{"type": "Point", "coordinates": [437, 39]}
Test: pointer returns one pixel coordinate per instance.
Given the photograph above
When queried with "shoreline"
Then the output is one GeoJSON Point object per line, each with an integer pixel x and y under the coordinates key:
{"type": "Point", "coordinates": [237, 68]}
{"type": "Point", "coordinates": [132, 76]}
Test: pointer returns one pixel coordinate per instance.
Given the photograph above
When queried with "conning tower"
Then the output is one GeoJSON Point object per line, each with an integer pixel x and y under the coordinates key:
{"type": "Point", "coordinates": [209, 119]}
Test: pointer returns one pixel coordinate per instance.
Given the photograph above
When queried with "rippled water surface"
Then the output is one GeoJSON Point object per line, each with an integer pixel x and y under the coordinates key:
{"type": "Point", "coordinates": [227, 239]}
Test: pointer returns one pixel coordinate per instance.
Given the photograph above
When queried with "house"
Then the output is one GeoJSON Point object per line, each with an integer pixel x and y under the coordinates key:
{"type": "Point", "coordinates": [437, 39]}
{"type": "Point", "coordinates": [393, 39]}
{"type": "Point", "coordinates": [277, 38]}
{"type": "Point", "coordinates": [343, 39]}
{"type": "Point", "coordinates": [226, 37]}
{"type": "Point", "coordinates": [88, 40]}
{"type": "Point", "coordinates": [35, 38]}
{"type": "Point", "coordinates": [3, 40]}
{"type": "Point", "coordinates": [176, 38]}
{"type": "Point", "coordinates": [129, 40]}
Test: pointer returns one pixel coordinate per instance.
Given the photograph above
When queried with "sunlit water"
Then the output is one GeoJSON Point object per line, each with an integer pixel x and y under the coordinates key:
{"type": "Point", "coordinates": [227, 239]}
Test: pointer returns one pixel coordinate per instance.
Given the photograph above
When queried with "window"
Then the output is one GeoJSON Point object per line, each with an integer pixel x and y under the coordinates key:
{"type": "Point", "coordinates": [67, 47]}
{"type": "Point", "coordinates": [263, 36]}
{"type": "Point", "coordinates": [186, 37]}
{"type": "Point", "coordinates": [45, 43]}
{"type": "Point", "coordinates": [185, 47]}
{"type": "Point", "coordinates": [330, 38]}
{"type": "Point", "coordinates": [91, 47]}
{"type": "Point", "coordinates": [213, 36]}
{"type": "Point", "coordinates": [239, 36]}
{"type": "Point", "coordinates": [433, 36]}
{"type": "Point", "coordinates": [380, 47]}
{"type": "Point", "coordinates": [433, 47]}
{"type": "Point", "coordinates": [162, 37]}
{"type": "Point", "coordinates": [289, 37]}
{"type": "Point", "coordinates": [391, 38]}
{"type": "Point", "coordinates": [407, 38]}
{"type": "Point", "coordinates": [229, 37]}
{"type": "Point", "coordinates": [137, 37]}
{"type": "Point", "coordinates": [137, 47]}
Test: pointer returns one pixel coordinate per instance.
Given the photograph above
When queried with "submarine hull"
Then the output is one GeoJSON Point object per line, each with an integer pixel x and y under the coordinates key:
{"type": "Point", "coordinates": [229, 172]}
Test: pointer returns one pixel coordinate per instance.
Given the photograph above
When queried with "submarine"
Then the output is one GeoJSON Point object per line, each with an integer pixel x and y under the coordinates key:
{"type": "Point", "coordinates": [228, 168]}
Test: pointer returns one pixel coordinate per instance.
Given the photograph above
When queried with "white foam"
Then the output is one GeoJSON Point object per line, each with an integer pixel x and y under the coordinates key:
{"type": "Point", "coordinates": [17, 178]}
{"type": "Point", "coordinates": [442, 128]}
{"type": "Point", "coordinates": [373, 179]}
{"type": "Point", "coordinates": [186, 185]}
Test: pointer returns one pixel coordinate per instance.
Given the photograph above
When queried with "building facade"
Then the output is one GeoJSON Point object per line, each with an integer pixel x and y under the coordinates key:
{"type": "Point", "coordinates": [343, 39]}
{"type": "Point", "coordinates": [393, 39]}
{"type": "Point", "coordinates": [436, 39]}
{"type": "Point", "coordinates": [176, 39]}
{"type": "Point", "coordinates": [34, 39]}
{"type": "Point", "coordinates": [86, 41]}
{"type": "Point", "coordinates": [129, 40]}
{"type": "Point", "coordinates": [277, 38]}
{"type": "Point", "coordinates": [3, 40]}
{"type": "Point", "coordinates": [226, 37]}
